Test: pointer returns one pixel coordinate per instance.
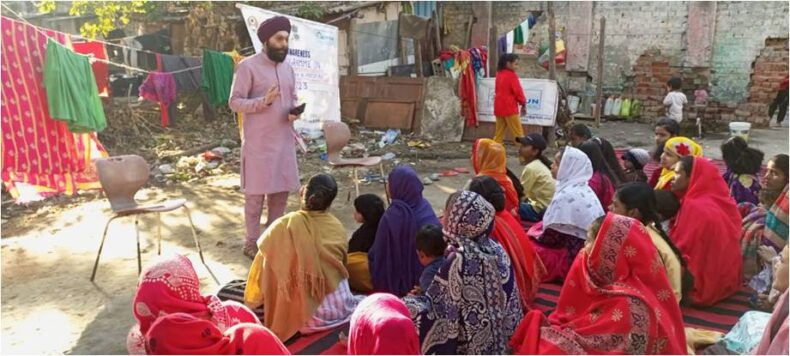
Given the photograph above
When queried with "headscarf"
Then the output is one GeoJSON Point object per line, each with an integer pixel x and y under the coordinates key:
{"type": "Point", "coordinates": [682, 147]}
{"type": "Point", "coordinates": [381, 325]}
{"type": "Point", "coordinates": [707, 229]}
{"type": "Point", "coordinates": [394, 266]}
{"type": "Point", "coordinates": [638, 157]}
{"type": "Point", "coordinates": [616, 300]}
{"type": "Point", "coordinates": [271, 26]}
{"type": "Point", "coordinates": [184, 334]}
{"type": "Point", "coordinates": [170, 285]}
{"type": "Point", "coordinates": [777, 332]}
{"type": "Point", "coordinates": [574, 205]}
{"type": "Point", "coordinates": [472, 308]}
{"type": "Point", "coordinates": [776, 221]}
{"type": "Point", "coordinates": [489, 159]}
{"type": "Point", "coordinates": [301, 259]}
{"type": "Point", "coordinates": [527, 267]}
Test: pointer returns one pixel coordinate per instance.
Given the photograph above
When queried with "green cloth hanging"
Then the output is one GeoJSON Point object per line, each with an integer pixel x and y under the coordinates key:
{"type": "Point", "coordinates": [518, 35]}
{"type": "Point", "coordinates": [217, 76]}
{"type": "Point", "coordinates": [71, 90]}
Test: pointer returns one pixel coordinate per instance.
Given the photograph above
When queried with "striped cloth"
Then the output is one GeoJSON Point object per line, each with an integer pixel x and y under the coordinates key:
{"type": "Point", "coordinates": [720, 317]}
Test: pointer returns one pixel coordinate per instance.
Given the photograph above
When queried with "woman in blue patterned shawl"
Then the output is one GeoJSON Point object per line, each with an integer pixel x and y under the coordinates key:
{"type": "Point", "coordinates": [472, 306]}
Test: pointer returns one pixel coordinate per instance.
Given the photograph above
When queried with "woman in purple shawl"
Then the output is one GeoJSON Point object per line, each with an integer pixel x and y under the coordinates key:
{"type": "Point", "coordinates": [394, 266]}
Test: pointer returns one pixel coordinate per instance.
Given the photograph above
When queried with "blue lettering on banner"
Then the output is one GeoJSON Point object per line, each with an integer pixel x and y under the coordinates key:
{"type": "Point", "coordinates": [299, 53]}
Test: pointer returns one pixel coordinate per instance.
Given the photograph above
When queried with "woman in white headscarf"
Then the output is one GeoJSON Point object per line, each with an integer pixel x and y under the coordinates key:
{"type": "Point", "coordinates": [573, 209]}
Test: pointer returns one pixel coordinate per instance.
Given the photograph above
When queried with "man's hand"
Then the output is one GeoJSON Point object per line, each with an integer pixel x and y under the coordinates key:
{"type": "Point", "coordinates": [524, 110]}
{"type": "Point", "coordinates": [271, 95]}
{"type": "Point", "coordinates": [416, 291]}
{"type": "Point", "coordinates": [292, 117]}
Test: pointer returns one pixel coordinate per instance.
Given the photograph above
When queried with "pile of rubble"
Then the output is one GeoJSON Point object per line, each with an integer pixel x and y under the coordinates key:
{"type": "Point", "coordinates": [219, 160]}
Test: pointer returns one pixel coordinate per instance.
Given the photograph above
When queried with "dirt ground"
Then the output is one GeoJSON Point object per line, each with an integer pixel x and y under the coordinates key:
{"type": "Point", "coordinates": [48, 248]}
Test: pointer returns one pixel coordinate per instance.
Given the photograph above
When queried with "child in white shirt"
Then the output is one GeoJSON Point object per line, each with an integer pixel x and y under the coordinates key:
{"type": "Point", "coordinates": [675, 100]}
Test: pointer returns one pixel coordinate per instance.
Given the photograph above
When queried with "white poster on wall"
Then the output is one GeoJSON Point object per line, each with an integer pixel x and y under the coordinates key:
{"type": "Point", "coordinates": [541, 95]}
{"type": "Point", "coordinates": [312, 53]}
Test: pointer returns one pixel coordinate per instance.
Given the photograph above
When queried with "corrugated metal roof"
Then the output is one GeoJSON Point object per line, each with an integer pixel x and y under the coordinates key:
{"type": "Point", "coordinates": [424, 8]}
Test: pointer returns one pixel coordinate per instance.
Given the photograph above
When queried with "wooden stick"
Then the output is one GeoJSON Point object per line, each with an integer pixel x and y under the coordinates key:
{"type": "Point", "coordinates": [469, 33]}
{"type": "Point", "coordinates": [552, 43]}
{"type": "Point", "coordinates": [599, 84]}
{"type": "Point", "coordinates": [438, 31]}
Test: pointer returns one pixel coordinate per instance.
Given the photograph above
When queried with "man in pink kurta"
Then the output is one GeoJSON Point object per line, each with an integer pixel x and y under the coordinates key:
{"type": "Point", "coordinates": [264, 91]}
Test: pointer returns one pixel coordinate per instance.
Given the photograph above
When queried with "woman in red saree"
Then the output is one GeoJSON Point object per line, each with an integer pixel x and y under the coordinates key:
{"type": "Point", "coordinates": [707, 228]}
{"type": "Point", "coordinates": [527, 266]}
{"type": "Point", "coordinates": [616, 300]}
{"type": "Point", "coordinates": [489, 159]}
{"type": "Point", "coordinates": [381, 325]}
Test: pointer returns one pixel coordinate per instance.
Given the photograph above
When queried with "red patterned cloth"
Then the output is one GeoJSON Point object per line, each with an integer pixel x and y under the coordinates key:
{"type": "Point", "coordinates": [170, 286]}
{"type": "Point", "coordinates": [40, 156]}
{"type": "Point", "coordinates": [615, 300]}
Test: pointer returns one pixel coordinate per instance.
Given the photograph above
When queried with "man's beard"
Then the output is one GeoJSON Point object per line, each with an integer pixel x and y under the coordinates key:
{"type": "Point", "coordinates": [277, 55]}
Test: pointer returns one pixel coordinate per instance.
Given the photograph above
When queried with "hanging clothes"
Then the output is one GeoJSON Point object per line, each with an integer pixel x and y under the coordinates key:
{"type": "Point", "coordinates": [188, 80]}
{"type": "Point", "coordinates": [518, 35]}
{"type": "Point", "coordinates": [217, 76]}
{"type": "Point", "coordinates": [71, 90]}
{"type": "Point", "coordinates": [100, 69]}
{"type": "Point", "coordinates": [509, 38]}
{"type": "Point", "coordinates": [467, 88]}
{"type": "Point", "coordinates": [237, 58]}
{"type": "Point", "coordinates": [40, 156]}
{"type": "Point", "coordinates": [130, 51]}
{"type": "Point", "coordinates": [160, 87]}
{"type": "Point", "coordinates": [154, 43]}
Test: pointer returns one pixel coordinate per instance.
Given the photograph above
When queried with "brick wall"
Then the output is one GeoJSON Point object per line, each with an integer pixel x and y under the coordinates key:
{"type": "Point", "coordinates": [741, 30]}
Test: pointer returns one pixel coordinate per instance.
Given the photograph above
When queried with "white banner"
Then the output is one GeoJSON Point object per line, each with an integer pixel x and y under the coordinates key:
{"type": "Point", "coordinates": [312, 53]}
{"type": "Point", "coordinates": [541, 97]}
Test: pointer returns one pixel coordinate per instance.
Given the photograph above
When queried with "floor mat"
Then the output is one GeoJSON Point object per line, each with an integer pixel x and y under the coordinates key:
{"type": "Point", "coordinates": [720, 317]}
{"type": "Point", "coordinates": [322, 343]}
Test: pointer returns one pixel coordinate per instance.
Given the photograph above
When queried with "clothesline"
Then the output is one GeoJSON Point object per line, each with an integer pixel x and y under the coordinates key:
{"type": "Point", "coordinates": [40, 30]}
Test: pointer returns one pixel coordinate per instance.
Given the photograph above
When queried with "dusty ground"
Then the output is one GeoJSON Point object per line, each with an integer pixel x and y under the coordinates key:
{"type": "Point", "coordinates": [48, 249]}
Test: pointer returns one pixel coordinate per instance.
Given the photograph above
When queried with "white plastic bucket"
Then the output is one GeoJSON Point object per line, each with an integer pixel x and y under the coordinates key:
{"type": "Point", "coordinates": [740, 129]}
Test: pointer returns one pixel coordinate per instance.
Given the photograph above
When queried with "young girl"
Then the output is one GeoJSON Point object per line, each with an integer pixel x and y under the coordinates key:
{"type": "Point", "coordinates": [743, 165]}
{"type": "Point", "coordinates": [665, 129]}
{"type": "Point", "coordinates": [637, 200]}
{"type": "Point", "coordinates": [602, 179]}
{"type": "Point", "coordinates": [507, 98]}
{"type": "Point", "coordinates": [634, 161]}
{"type": "Point", "coordinates": [368, 209]}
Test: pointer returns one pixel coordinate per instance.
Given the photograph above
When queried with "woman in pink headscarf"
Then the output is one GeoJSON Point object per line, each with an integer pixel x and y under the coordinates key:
{"type": "Point", "coordinates": [171, 286]}
{"type": "Point", "coordinates": [381, 325]}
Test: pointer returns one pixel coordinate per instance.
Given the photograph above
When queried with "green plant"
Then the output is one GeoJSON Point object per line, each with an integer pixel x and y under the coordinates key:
{"type": "Point", "coordinates": [109, 14]}
{"type": "Point", "coordinates": [310, 11]}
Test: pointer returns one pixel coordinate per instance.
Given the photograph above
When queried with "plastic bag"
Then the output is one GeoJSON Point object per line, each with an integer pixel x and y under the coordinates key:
{"type": "Point", "coordinates": [761, 282]}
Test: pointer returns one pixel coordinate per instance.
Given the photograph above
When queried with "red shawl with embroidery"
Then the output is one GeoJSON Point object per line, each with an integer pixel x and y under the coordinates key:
{"type": "Point", "coordinates": [616, 300]}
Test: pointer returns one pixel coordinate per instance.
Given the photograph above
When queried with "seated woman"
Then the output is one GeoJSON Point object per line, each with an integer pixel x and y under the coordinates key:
{"type": "Point", "coordinates": [766, 224]}
{"type": "Point", "coordinates": [674, 149]}
{"type": "Point", "coordinates": [580, 133]}
{"type": "Point", "coordinates": [637, 200]}
{"type": "Point", "coordinates": [472, 307]}
{"type": "Point", "coordinates": [368, 209]}
{"type": "Point", "coordinates": [707, 229]}
{"type": "Point", "coordinates": [602, 179]}
{"type": "Point", "coordinates": [612, 301]}
{"type": "Point", "coordinates": [665, 129]}
{"type": "Point", "coordinates": [776, 335]}
{"type": "Point", "coordinates": [185, 334]}
{"type": "Point", "coordinates": [528, 268]}
{"type": "Point", "coordinates": [561, 234]}
{"type": "Point", "coordinates": [299, 274]}
{"type": "Point", "coordinates": [394, 266]}
{"type": "Point", "coordinates": [743, 165]}
{"type": "Point", "coordinates": [489, 159]}
{"type": "Point", "coordinates": [382, 325]}
{"type": "Point", "coordinates": [170, 285]}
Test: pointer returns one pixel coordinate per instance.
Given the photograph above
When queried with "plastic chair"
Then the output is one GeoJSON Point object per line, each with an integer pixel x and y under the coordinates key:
{"type": "Point", "coordinates": [337, 135]}
{"type": "Point", "coordinates": [121, 177]}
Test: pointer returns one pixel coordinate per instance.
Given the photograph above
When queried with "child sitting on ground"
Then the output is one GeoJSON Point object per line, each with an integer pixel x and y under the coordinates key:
{"type": "Point", "coordinates": [743, 165]}
{"type": "Point", "coordinates": [634, 161]}
{"type": "Point", "coordinates": [430, 250]}
{"type": "Point", "coordinates": [368, 209]}
{"type": "Point", "coordinates": [667, 206]}
{"type": "Point", "coordinates": [536, 178]}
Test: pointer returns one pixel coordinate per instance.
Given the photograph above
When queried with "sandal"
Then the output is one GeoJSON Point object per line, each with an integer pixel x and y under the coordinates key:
{"type": "Point", "coordinates": [461, 170]}
{"type": "Point", "coordinates": [450, 173]}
